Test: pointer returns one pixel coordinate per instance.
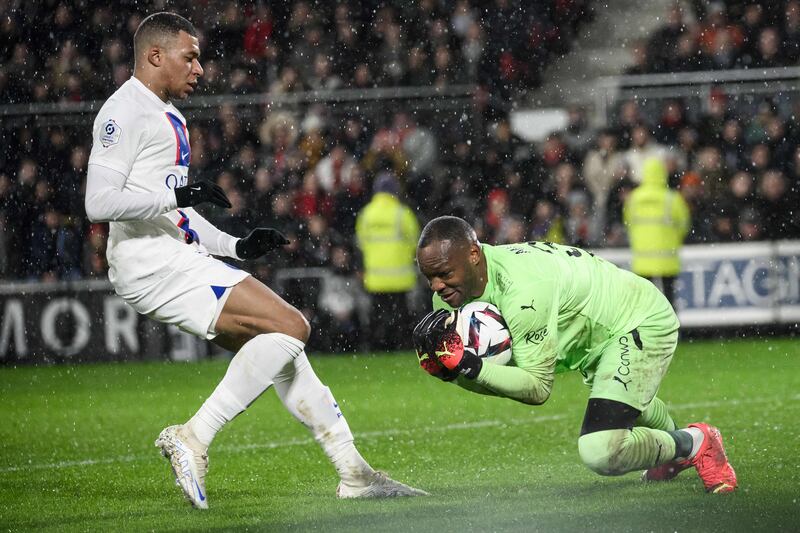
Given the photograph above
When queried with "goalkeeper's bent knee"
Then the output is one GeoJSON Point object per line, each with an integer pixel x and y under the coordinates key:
{"type": "Point", "coordinates": [603, 451]}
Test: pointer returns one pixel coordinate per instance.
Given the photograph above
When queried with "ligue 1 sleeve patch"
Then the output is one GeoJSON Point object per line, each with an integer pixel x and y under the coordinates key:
{"type": "Point", "coordinates": [110, 133]}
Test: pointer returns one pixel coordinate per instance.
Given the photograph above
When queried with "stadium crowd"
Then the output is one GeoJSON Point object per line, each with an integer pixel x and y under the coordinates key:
{"type": "Point", "coordinates": [722, 35]}
{"type": "Point", "coordinates": [308, 170]}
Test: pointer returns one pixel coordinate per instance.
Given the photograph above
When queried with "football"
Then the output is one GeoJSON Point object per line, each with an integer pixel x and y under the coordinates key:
{"type": "Point", "coordinates": [484, 332]}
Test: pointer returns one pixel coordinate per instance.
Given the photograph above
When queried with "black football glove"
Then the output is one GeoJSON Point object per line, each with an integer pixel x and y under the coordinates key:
{"type": "Point", "coordinates": [201, 192]}
{"type": "Point", "coordinates": [441, 350]}
{"type": "Point", "coordinates": [426, 335]}
{"type": "Point", "coordinates": [259, 242]}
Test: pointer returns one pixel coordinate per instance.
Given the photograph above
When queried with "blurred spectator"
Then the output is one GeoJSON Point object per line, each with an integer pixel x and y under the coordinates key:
{"type": "Point", "coordinates": [577, 135]}
{"type": "Point", "coordinates": [335, 170]}
{"type": "Point", "coordinates": [578, 228]}
{"type": "Point", "coordinates": [662, 43]}
{"type": "Point", "coordinates": [739, 197]}
{"type": "Point", "coordinates": [387, 232]}
{"type": "Point", "coordinates": [602, 168]}
{"type": "Point", "coordinates": [768, 55]}
{"type": "Point", "coordinates": [712, 173]}
{"type": "Point", "coordinates": [779, 216]}
{"type": "Point", "coordinates": [731, 144]}
{"type": "Point", "coordinates": [348, 200]}
{"type": "Point", "coordinates": [547, 224]}
{"type": "Point", "coordinates": [513, 230]}
{"type": "Point", "coordinates": [658, 221]}
{"type": "Point", "coordinates": [716, 29]}
{"type": "Point", "coordinates": [688, 57]}
{"type": "Point", "coordinates": [749, 225]}
{"type": "Point", "coordinates": [340, 299]}
{"type": "Point", "coordinates": [310, 200]}
{"type": "Point", "coordinates": [791, 32]}
{"type": "Point", "coordinates": [641, 61]}
{"type": "Point", "coordinates": [56, 249]}
{"type": "Point", "coordinates": [643, 147]}
{"type": "Point", "coordinates": [751, 26]}
{"type": "Point", "coordinates": [628, 117]}
{"type": "Point", "coordinates": [712, 121]}
{"type": "Point", "coordinates": [323, 78]}
{"type": "Point", "coordinates": [672, 121]}
{"type": "Point", "coordinates": [496, 216]}
{"type": "Point", "coordinates": [700, 208]}
{"type": "Point", "coordinates": [317, 242]}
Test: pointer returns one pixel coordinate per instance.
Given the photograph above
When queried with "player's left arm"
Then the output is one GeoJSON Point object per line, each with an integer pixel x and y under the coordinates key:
{"type": "Point", "coordinates": [216, 241]}
{"type": "Point", "coordinates": [257, 243]}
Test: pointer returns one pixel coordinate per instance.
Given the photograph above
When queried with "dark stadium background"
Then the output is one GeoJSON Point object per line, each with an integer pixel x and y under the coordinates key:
{"type": "Point", "coordinates": [510, 114]}
{"type": "Point", "coordinates": [527, 118]}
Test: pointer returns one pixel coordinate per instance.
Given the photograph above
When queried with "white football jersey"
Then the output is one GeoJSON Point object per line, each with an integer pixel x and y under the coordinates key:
{"type": "Point", "coordinates": [144, 138]}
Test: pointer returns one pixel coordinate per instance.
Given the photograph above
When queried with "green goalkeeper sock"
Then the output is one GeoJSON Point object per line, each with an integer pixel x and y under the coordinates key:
{"type": "Point", "coordinates": [656, 416]}
{"type": "Point", "coordinates": [617, 451]}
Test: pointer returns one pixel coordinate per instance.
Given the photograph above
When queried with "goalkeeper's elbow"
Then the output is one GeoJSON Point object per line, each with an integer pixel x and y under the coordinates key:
{"type": "Point", "coordinates": [535, 399]}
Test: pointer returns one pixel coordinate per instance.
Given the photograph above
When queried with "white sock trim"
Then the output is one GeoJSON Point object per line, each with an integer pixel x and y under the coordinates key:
{"type": "Point", "coordinates": [697, 440]}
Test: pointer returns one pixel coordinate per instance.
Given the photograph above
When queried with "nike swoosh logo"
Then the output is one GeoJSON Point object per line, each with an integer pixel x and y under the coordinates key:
{"type": "Point", "coordinates": [195, 188]}
{"type": "Point", "coordinates": [200, 492]}
{"type": "Point", "coordinates": [184, 155]}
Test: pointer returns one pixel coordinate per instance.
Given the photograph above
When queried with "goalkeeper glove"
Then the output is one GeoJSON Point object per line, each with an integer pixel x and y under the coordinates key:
{"type": "Point", "coordinates": [259, 242]}
{"type": "Point", "coordinates": [425, 333]}
{"type": "Point", "coordinates": [440, 348]}
{"type": "Point", "coordinates": [200, 192]}
{"type": "Point", "coordinates": [451, 354]}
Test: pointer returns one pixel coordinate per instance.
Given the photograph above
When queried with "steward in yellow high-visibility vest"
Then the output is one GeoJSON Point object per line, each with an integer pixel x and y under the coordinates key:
{"type": "Point", "coordinates": [387, 232]}
{"type": "Point", "coordinates": [658, 220]}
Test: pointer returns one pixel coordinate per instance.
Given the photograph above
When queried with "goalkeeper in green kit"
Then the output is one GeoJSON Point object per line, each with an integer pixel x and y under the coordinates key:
{"type": "Point", "coordinates": [567, 309]}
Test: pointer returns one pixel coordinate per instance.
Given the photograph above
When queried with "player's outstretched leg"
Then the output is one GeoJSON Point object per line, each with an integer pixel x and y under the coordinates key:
{"type": "Point", "coordinates": [249, 374]}
{"type": "Point", "coordinates": [189, 462]}
{"type": "Point", "coordinates": [312, 403]}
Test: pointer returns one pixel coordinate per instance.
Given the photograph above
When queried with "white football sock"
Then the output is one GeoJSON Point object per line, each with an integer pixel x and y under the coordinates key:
{"type": "Point", "coordinates": [312, 403]}
{"type": "Point", "coordinates": [249, 374]}
{"type": "Point", "coordinates": [697, 440]}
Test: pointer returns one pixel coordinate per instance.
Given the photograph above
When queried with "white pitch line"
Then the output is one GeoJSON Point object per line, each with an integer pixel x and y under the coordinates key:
{"type": "Point", "coordinates": [374, 435]}
{"type": "Point", "coordinates": [294, 442]}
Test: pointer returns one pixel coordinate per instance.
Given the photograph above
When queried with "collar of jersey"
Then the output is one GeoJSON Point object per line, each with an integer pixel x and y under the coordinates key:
{"type": "Point", "coordinates": [150, 94]}
{"type": "Point", "coordinates": [488, 291]}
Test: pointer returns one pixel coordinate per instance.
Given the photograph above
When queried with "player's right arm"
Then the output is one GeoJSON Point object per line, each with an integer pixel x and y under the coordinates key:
{"type": "Point", "coordinates": [531, 312]}
{"type": "Point", "coordinates": [119, 137]}
{"type": "Point", "coordinates": [106, 200]}
{"type": "Point", "coordinates": [531, 379]}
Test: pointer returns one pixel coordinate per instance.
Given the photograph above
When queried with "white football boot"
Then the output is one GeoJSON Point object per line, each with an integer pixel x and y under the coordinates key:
{"type": "Point", "coordinates": [378, 486]}
{"type": "Point", "coordinates": [188, 462]}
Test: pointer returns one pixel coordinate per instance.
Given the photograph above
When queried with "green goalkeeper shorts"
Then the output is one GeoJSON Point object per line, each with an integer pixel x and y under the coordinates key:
{"type": "Point", "coordinates": [632, 364]}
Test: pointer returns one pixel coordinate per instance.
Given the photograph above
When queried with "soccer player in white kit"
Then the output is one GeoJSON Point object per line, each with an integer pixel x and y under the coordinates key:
{"type": "Point", "coordinates": [159, 257]}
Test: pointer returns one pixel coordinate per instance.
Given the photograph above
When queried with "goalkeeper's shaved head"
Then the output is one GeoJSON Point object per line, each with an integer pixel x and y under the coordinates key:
{"type": "Point", "coordinates": [453, 229]}
{"type": "Point", "coordinates": [450, 257]}
{"type": "Point", "coordinates": [161, 29]}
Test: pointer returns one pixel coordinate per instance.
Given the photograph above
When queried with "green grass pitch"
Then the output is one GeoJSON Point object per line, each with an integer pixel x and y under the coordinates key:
{"type": "Point", "coordinates": [77, 454]}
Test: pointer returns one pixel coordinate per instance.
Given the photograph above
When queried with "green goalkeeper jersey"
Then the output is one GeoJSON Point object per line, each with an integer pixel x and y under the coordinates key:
{"type": "Point", "coordinates": [561, 304]}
